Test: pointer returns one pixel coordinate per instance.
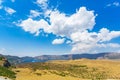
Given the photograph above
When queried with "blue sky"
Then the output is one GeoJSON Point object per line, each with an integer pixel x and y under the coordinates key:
{"type": "Point", "coordinates": [55, 27]}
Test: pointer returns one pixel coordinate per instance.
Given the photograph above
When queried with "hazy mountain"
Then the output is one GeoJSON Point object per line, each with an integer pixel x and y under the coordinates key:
{"type": "Point", "coordinates": [44, 58]}
{"type": "Point", "coordinates": [110, 56]}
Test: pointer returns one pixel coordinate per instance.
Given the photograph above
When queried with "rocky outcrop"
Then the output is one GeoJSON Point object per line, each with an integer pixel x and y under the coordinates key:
{"type": "Point", "coordinates": [4, 62]}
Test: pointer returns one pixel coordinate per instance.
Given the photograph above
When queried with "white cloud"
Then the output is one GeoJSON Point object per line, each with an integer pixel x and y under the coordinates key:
{"type": "Point", "coordinates": [84, 37]}
{"type": "Point", "coordinates": [107, 47]}
{"type": "Point", "coordinates": [34, 13]}
{"type": "Point", "coordinates": [32, 26]}
{"type": "Point", "coordinates": [112, 45]}
{"type": "Point", "coordinates": [42, 3]}
{"type": "Point", "coordinates": [94, 47]}
{"type": "Point", "coordinates": [117, 4]}
{"type": "Point", "coordinates": [103, 35]}
{"type": "Point", "coordinates": [106, 35]}
{"type": "Point", "coordinates": [81, 48]}
{"type": "Point", "coordinates": [9, 10]}
{"type": "Point", "coordinates": [58, 41]}
{"type": "Point", "coordinates": [74, 27]}
{"type": "Point", "coordinates": [65, 25]}
{"type": "Point", "coordinates": [62, 25]}
{"type": "Point", "coordinates": [88, 41]}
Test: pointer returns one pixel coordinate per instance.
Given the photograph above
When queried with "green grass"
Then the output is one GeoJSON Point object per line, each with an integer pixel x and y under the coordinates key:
{"type": "Point", "coordinates": [7, 73]}
{"type": "Point", "coordinates": [1, 58]}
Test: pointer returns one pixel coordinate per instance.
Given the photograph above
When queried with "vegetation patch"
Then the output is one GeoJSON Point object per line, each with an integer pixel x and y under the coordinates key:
{"type": "Point", "coordinates": [79, 71]}
{"type": "Point", "coordinates": [39, 74]}
{"type": "Point", "coordinates": [7, 73]}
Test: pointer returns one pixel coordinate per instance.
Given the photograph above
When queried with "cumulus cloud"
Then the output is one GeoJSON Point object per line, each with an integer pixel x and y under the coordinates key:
{"type": "Point", "coordinates": [34, 13]}
{"type": "Point", "coordinates": [60, 24]}
{"type": "Point", "coordinates": [116, 4]}
{"type": "Point", "coordinates": [106, 35]}
{"type": "Point", "coordinates": [76, 27]}
{"type": "Point", "coordinates": [33, 26]}
{"type": "Point", "coordinates": [58, 41]}
{"type": "Point", "coordinates": [65, 25]}
{"type": "Point", "coordinates": [9, 10]}
{"type": "Point", "coordinates": [86, 41]}
{"type": "Point", "coordinates": [94, 47]}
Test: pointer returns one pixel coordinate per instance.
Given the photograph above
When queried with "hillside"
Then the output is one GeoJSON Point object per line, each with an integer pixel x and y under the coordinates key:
{"type": "Point", "coordinates": [5, 70]}
{"type": "Point", "coordinates": [78, 69]}
{"type": "Point", "coordinates": [83, 69]}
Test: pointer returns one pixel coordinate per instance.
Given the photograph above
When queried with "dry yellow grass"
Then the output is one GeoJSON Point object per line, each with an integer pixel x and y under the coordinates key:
{"type": "Point", "coordinates": [28, 74]}
{"type": "Point", "coordinates": [1, 62]}
{"type": "Point", "coordinates": [111, 69]}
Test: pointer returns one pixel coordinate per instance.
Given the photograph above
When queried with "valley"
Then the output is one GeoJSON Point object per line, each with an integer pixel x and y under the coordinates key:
{"type": "Point", "coordinates": [78, 69]}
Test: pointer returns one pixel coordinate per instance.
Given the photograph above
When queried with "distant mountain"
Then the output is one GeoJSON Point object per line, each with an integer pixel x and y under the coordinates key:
{"type": "Point", "coordinates": [110, 56]}
{"type": "Point", "coordinates": [44, 58]}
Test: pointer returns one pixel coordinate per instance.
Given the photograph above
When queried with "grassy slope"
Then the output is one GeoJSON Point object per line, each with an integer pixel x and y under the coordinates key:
{"type": "Point", "coordinates": [27, 74]}
{"type": "Point", "coordinates": [70, 70]}
{"type": "Point", "coordinates": [6, 72]}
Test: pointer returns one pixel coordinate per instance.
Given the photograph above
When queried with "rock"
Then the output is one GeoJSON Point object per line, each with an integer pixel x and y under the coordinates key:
{"type": "Point", "coordinates": [4, 62]}
{"type": "Point", "coordinates": [3, 78]}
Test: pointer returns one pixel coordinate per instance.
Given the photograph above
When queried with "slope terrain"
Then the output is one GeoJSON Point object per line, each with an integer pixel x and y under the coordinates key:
{"type": "Point", "coordinates": [5, 70]}
{"type": "Point", "coordinates": [83, 69]}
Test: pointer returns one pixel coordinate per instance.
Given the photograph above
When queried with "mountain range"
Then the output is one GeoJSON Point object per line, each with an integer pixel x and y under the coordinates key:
{"type": "Point", "coordinates": [44, 58]}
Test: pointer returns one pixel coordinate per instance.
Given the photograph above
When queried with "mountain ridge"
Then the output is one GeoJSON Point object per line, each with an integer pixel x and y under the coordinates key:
{"type": "Point", "coordinates": [44, 58]}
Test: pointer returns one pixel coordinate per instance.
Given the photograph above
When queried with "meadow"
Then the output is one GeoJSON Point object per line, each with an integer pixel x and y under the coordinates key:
{"type": "Point", "coordinates": [83, 69]}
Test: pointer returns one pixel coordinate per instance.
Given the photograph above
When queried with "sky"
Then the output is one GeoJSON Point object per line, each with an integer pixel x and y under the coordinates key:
{"type": "Point", "coordinates": [57, 27]}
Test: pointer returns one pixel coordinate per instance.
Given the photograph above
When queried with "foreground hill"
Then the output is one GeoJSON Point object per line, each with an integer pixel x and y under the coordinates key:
{"type": "Point", "coordinates": [82, 69]}
{"type": "Point", "coordinates": [44, 58]}
{"type": "Point", "coordinates": [5, 70]}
